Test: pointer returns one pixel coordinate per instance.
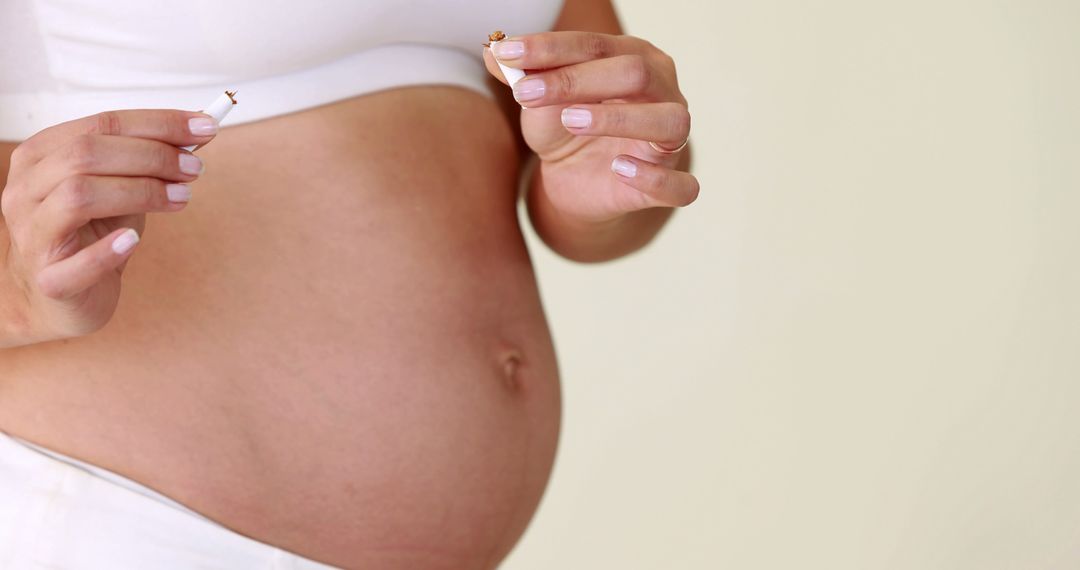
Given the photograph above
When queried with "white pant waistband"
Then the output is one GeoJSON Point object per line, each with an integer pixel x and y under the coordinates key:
{"type": "Point", "coordinates": [57, 512]}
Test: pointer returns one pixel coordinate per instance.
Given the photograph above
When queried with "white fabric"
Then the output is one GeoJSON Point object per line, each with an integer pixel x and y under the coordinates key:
{"type": "Point", "coordinates": [63, 59]}
{"type": "Point", "coordinates": [58, 513]}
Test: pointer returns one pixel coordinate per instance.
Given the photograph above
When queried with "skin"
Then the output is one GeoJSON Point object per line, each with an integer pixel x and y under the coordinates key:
{"type": "Point", "coordinates": [346, 358]}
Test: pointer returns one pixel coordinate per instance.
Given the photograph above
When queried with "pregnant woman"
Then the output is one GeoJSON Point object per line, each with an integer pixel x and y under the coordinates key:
{"type": "Point", "coordinates": [324, 346]}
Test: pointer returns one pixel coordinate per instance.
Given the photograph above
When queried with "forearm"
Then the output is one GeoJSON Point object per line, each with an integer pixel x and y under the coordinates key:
{"type": "Point", "coordinates": [588, 240]}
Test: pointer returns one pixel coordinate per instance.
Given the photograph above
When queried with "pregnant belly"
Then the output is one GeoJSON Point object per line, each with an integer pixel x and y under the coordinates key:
{"type": "Point", "coordinates": [337, 348]}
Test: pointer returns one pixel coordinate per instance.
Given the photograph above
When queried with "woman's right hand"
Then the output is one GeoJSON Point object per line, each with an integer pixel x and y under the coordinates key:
{"type": "Point", "coordinates": [75, 203]}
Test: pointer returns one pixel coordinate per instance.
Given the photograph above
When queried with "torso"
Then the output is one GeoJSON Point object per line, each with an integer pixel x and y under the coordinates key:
{"type": "Point", "coordinates": [337, 348]}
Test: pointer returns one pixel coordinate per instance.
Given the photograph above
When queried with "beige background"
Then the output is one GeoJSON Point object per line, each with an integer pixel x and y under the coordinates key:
{"type": "Point", "coordinates": [860, 348]}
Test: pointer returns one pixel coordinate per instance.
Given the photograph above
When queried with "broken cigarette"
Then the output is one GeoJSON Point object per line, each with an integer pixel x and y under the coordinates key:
{"type": "Point", "coordinates": [512, 75]}
{"type": "Point", "coordinates": [218, 109]}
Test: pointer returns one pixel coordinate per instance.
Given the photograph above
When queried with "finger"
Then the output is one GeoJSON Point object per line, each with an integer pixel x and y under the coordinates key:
{"type": "Point", "coordinates": [620, 77]}
{"type": "Point", "coordinates": [114, 156]}
{"type": "Point", "coordinates": [493, 67]}
{"type": "Point", "coordinates": [656, 122]}
{"type": "Point", "coordinates": [663, 186]}
{"type": "Point", "coordinates": [548, 50]}
{"type": "Point", "coordinates": [83, 198]}
{"type": "Point", "coordinates": [72, 275]}
{"type": "Point", "coordinates": [178, 128]}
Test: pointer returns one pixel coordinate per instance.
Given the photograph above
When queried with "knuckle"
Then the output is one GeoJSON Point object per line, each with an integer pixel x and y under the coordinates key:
{"type": "Point", "coordinates": [48, 286]}
{"type": "Point", "coordinates": [153, 192]}
{"type": "Point", "coordinates": [82, 152]}
{"type": "Point", "coordinates": [667, 61]}
{"type": "Point", "coordinates": [176, 125]}
{"type": "Point", "coordinates": [21, 154]}
{"type": "Point", "coordinates": [662, 57]}
{"type": "Point", "coordinates": [540, 46]}
{"type": "Point", "coordinates": [692, 191]}
{"type": "Point", "coordinates": [680, 122]}
{"type": "Point", "coordinates": [567, 83]}
{"type": "Point", "coordinates": [7, 202]}
{"type": "Point", "coordinates": [163, 159]}
{"type": "Point", "coordinates": [106, 123]}
{"type": "Point", "coordinates": [75, 194]}
{"type": "Point", "coordinates": [615, 119]}
{"type": "Point", "coordinates": [637, 72]}
{"type": "Point", "coordinates": [596, 46]}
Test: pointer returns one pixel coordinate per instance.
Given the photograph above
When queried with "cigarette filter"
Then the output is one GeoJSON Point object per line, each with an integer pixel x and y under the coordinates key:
{"type": "Point", "coordinates": [218, 109]}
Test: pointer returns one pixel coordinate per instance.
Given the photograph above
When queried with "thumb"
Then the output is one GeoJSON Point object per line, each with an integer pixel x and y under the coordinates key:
{"type": "Point", "coordinates": [493, 66]}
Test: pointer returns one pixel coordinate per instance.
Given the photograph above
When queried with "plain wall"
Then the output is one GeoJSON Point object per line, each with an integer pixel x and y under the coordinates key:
{"type": "Point", "coordinates": [860, 348]}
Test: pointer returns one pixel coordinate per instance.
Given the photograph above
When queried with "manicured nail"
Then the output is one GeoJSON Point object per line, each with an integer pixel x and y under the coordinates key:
{"type": "Point", "coordinates": [178, 192]}
{"type": "Point", "coordinates": [508, 50]}
{"type": "Point", "coordinates": [202, 126]}
{"type": "Point", "coordinates": [529, 89]}
{"type": "Point", "coordinates": [190, 164]}
{"type": "Point", "coordinates": [125, 241]}
{"type": "Point", "coordinates": [624, 167]}
{"type": "Point", "coordinates": [576, 118]}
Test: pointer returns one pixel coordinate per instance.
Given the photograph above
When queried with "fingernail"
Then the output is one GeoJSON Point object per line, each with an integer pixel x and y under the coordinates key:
{"type": "Point", "coordinates": [576, 118]}
{"type": "Point", "coordinates": [529, 89]}
{"type": "Point", "coordinates": [202, 126]}
{"type": "Point", "coordinates": [624, 167]}
{"type": "Point", "coordinates": [508, 50]}
{"type": "Point", "coordinates": [190, 164]}
{"type": "Point", "coordinates": [178, 192]}
{"type": "Point", "coordinates": [125, 241]}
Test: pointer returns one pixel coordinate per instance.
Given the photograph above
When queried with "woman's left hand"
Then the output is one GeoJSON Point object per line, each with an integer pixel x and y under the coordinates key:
{"type": "Point", "coordinates": [592, 103]}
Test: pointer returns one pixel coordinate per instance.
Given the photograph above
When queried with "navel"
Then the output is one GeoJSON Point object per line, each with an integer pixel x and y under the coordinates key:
{"type": "Point", "coordinates": [512, 362]}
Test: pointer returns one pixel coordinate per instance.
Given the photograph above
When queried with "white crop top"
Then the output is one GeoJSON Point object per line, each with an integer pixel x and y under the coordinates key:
{"type": "Point", "coordinates": [64, 59]}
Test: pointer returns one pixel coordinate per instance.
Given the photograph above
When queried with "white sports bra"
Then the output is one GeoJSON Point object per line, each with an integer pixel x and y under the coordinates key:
{"type": "Point", "coordinates": [63, 59]}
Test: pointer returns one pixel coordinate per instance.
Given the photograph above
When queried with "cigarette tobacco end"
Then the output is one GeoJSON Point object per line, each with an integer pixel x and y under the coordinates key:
{"type": "Point", "coordinates": [496, 36]}
{"type": "Point", "coordinates": [232, 96]}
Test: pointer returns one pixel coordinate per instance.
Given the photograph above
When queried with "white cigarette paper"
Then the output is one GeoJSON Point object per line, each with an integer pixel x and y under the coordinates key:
{"type": "Point", "coordinates": [512, 74]}
{"type": "Point", "coordinates": [218, 109]}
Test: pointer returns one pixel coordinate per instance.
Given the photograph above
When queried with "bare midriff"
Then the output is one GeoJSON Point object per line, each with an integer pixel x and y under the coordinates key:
{"type": "Point", "coordinates": [337, 348]}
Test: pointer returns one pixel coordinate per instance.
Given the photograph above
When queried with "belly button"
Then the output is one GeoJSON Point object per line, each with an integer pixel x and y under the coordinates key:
{"type": "Point", "coordinates": [511, 369]}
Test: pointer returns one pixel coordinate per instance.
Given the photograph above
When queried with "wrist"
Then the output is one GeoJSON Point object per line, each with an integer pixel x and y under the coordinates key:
{"type": "Point", "coordinates": [15, 323]}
